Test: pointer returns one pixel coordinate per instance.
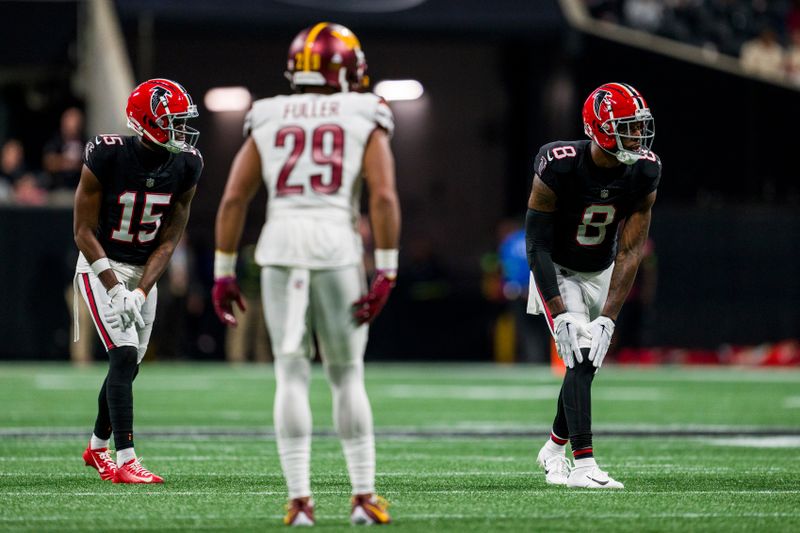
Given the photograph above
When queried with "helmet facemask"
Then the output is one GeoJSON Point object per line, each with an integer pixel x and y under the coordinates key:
{"type": "Point", "coordinates": [180, 135]}
{"type": "Point", "coordinates": [637, 131]}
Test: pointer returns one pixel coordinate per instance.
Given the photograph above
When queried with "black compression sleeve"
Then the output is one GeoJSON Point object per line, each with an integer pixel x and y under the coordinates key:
{"type": "Point", "coordinates": [539, 229]}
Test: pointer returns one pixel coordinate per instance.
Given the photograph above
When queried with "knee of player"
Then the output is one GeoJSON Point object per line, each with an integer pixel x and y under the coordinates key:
{"type": "Point", "coordinates": [124, 356]}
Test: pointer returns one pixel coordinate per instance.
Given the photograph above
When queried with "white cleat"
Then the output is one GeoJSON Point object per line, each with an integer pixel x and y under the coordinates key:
{"type": "Point", "coordinates": [591, 477]}
{"type": "Point", "coordinates": [556, 466]}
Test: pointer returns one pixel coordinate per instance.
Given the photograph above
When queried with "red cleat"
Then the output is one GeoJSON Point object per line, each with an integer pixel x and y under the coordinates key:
{"type": "Point", "coordinates": [134, 472]}
{"type": "Point", "coordinates": [101, 461]}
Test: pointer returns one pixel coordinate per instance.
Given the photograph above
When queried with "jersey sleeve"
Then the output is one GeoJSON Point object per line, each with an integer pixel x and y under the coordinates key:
{"type": "Point", "coordinates": [257, 116]}
{"type": "Point", "coordinates": [544, 166]}
{"type": "Point", "coordinates": [98, 156]}
{"type": "Point", "coordinates": [194, 167]}
{"type": "Point", "coordinates": [384, 117]}
{"type": "Point", "coordinates": [650, 175]}
{"type": "Point", "coordinates": [371, 109]}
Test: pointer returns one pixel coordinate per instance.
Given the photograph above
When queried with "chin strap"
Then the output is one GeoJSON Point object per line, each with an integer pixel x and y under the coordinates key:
{"type": "Point", "coordinates": [625, 157]}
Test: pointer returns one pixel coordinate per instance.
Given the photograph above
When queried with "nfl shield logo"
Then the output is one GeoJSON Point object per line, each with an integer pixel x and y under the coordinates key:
{"type": "Point", "coordinates": [603, 193]}
{"type": "Point", "coordinates": [150, 182]}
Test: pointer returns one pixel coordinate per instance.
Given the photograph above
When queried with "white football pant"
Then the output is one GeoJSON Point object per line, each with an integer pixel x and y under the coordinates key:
{"type": "Point", "coordinates": [584, 295]}
{"type": "Point", "coordinates": [298, 303]}
{"type": "Point", "coordinates": [97, 300]}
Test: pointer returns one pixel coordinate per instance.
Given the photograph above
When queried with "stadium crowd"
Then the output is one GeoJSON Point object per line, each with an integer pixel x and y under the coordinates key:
{"type": "Point", "coordinates": [53, 180]}
{"type": "Point", "coordinates": [765, 36]}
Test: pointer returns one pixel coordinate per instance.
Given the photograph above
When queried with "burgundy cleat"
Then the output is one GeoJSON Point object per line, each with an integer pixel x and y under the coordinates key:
{"type": "Point", "coordinates": [369, 509]}
{"type": "Point", "coordinates": [299, 512]}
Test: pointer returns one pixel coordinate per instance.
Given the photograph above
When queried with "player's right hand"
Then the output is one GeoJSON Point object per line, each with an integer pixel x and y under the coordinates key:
{"type": "Point", "coordinates": [566, 327]}
{"type": "Point", "coordinates": [122, 311]}
{"type": "Point", "coordinates": [225, 292]}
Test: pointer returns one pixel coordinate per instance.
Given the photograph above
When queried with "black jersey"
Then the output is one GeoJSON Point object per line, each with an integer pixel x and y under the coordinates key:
{"type": "Point", "coordinates": [592, 201]}
{"type": "Point", "coordinates": [139, 190]}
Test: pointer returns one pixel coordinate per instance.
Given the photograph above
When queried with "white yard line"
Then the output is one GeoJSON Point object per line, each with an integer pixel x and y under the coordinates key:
{"type": "Point", "coordinates": [515, 392]}
{"type": "Point", "coordinates": [460, 430]}
{"type": "Point", "coordinates": [529, 492]}
{"type": "Point", "coordinates": [792, 402]}
{"type": "Point", "coordinates": [153, 383]}
{"type": "Point", "coordinates": [755, 442]}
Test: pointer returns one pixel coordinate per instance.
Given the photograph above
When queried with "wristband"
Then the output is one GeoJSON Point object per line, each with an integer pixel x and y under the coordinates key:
{"type": "Point", "coordinates": [224, 264]}
{"type": "Point", "coordinates": [101, 265]}
{"type": "Point", "coordinates": [386, 261]}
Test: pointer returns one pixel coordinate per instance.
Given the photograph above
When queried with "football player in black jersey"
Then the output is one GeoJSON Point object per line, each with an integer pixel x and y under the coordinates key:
{"type": "Point", "coordinates": [586, 227]}
{"type": "Point", "coordinates": [131, 208]}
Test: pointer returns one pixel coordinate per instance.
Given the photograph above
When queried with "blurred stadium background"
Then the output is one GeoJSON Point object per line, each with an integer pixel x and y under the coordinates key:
{"type": "Point", "coordinates": [499, 80]}
{"type": "Point", "coordinates": [720, 286]}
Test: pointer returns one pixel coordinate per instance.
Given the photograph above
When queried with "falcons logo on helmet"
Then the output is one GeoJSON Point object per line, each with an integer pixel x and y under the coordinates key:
{"type": "Point", "coordinates": [158, 96]}
{"type": "Point", "coordinates": [601, 97]}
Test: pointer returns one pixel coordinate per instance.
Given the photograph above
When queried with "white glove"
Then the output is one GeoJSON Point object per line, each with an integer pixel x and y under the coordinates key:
{"type": "Point", "coordinates": [566, 327]}
{"type": "Point", "coordinates": [124, 308]}
{"type": "Point", "coordinates": [138, 298]}
{"type": "Point", "coordinates": [601, 329]}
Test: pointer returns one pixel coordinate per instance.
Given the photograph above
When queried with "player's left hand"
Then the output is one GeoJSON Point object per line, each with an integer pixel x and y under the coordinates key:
{"type": "Point", "coordinates": [601, 329]}
{"type": "Point", "coordinates": [367, 307]}
{"type": "Point", "coordinates": [135, 304]}
{"type": "Point", "coordinates": [225, 292]}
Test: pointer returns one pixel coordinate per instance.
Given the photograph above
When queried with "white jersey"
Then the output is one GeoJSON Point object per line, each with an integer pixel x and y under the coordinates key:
{"type": "Point", "coordinates": [312, 147]}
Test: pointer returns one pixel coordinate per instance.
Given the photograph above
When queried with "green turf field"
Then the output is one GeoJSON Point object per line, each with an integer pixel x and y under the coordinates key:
{"type": "Point", "coordinates": [698, 450]}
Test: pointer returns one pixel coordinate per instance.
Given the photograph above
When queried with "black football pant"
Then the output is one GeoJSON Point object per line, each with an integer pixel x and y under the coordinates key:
{"type": "Point", "coordinates": [115, 401]}
{"type": "Point", "coordinates": [574, 409]}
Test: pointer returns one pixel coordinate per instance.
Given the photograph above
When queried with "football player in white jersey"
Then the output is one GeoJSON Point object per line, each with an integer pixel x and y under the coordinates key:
{"type": "Point", "coordinates": [313, 150]}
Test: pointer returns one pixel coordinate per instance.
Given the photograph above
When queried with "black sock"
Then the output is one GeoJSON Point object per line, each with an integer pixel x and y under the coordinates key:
{"type": "Point", "coordinates": [102, 424]}
{"type": "Point", "coordinates": [560, 432]}
{"type": "Point", "coordinates": [122, 368]}
{"type": "Point", "coordinates": [577, 398]}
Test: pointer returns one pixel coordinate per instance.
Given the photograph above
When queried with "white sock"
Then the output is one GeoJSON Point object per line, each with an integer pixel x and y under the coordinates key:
{"type": "Point", "coordinates": [295, 457]}
{"type": "Point", "coordinates": [352, 416]}
{"type": "Point", "coordinates": [360, 456]}
{"type": "Point", "coordinates": [585, 463]}
{"type": "Point", "coordinates": [95, 443]}
{"type": "Point", "coordinates": [125, 455]}
{"type": "Point", "coordinates": [553, 447]}
{"type": "Point", "coordinates": [292, 417]}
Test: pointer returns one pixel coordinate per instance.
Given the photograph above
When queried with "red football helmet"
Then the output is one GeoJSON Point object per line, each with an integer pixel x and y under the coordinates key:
{"type": "Point", "coordinates": [158, 109]}
{"type": "Point", "coordinates": [617, 118]}
{"type": "Point", "coordinates": [327, 54]}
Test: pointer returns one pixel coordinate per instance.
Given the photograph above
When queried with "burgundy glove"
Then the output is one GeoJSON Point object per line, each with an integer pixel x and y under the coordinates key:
{"type": "Point", "coordinates": [224, 293]}
{"type": "Point", "coordinates": [367, 308]}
